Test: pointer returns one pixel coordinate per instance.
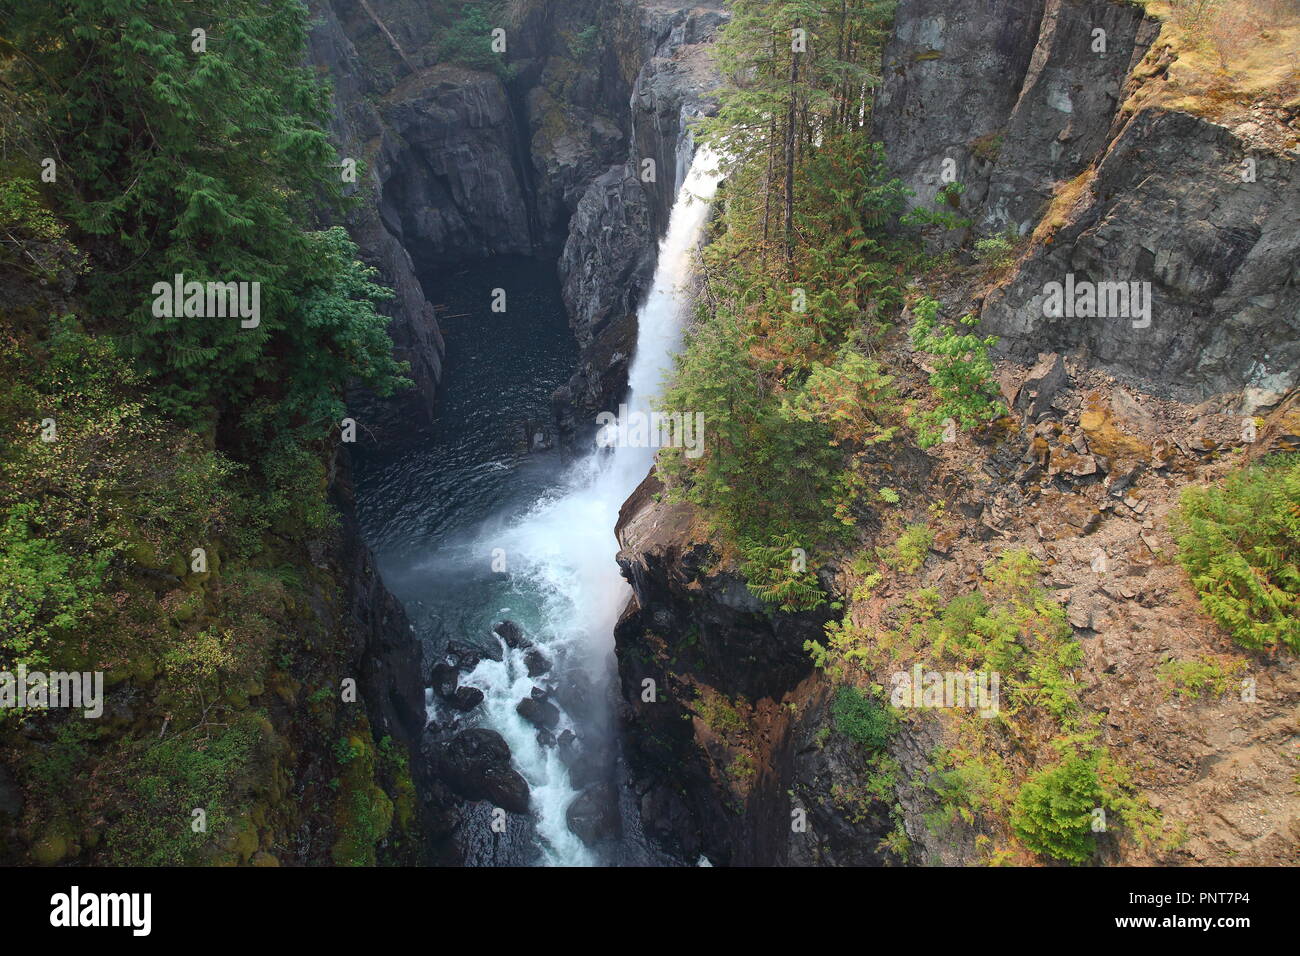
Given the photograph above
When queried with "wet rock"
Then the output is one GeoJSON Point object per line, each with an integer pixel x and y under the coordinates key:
{"type": "Point", "coordinates": [465, 656]}
{"type": "Point", "coordinates": [539, 712]}
{"type": "Point", "coordinates": [476, 764]}
{"type": "Point", "coordinates": [668, 820]}
{"type": "Point", "coordinates": [593, 815]}
{"type": "Point", "coordinates": [466, 698]}
{"type": "Point", "coordinates": [506, 788]}
{"type": "Point", "coordinates": [443, 679]}
{"type": "Point", "coordinates": [536, 662]}
{"type": "Point", "coordinates": [587, 763]}
{"type": "Point", "coordinates": [581, 697]}
{"type": "Point", "coordinates": [512, 634]}
{"type": "Point", "coordinates": [545, 738]}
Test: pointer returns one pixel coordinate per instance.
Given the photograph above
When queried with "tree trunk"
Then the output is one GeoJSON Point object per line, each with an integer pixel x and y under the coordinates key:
{"type": "Point", "coordinates": [790, 119]}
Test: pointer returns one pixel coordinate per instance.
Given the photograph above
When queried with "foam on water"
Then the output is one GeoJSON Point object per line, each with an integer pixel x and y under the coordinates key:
{"type": "Point", "coordinates": [561, 554]}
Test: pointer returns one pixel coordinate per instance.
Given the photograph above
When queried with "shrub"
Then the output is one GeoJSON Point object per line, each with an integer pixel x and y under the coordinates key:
{"type": "Point", "coordinates": [908, 553]}
{"type": "Point", "coordinates": [860, 718]}
{"type": "Point", "coordinates": [169, 779]}
{"type": "Point", "coordinates": [963, 375]}
{"type": "Point", "coordinates": [1240, 543]}
{"type": "Point", "coordinates": [776, 578]}
{"type": "Point", "coordinates": [1053, 811]}
{"type": "Point", "coordinates": [1198, 676]}
{"type": "Point", "coordinates": [720, 715]}
{"type": "Point", "coordinates": [997, 251]}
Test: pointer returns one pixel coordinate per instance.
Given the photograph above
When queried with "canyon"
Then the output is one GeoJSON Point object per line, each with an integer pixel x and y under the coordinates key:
{"type": "Point", "coordinates": [1095, 164]}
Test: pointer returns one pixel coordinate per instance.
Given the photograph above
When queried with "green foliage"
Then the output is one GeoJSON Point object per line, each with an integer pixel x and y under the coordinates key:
{"type": "Point", "coordinates": [963, 375]}
{"type": "Point", "coordinates": [57, 766]}
{"type": "Point", "coordinates": [805, 267]}
{"type": "Point", "coordinates": [170, 778]}
{"type": "Point", "coordinates": [364, 813]}
{"type": "Point", "coordinates": [467, 40]}
{"type": "Point", "coordinates": [776, 577]}
{"type": "Point", "coordinates": [115, 489]}
{"type": "Point", "coordinates": [720, 715]}
{"type": "Point", "coordinates": [943, 216]}
{"type": "Point", "coordinates": [1053, 811]}
{"type": "Point", "coordinates": [586, 41]}
{"type": "Point", "coordinates": [997, 251]}
{"type": "Point", "coordinates": [32, 241]}
{"type": "Point", "coordinates": [909, 551]}
{"type": "Point", "coordinates": [44, 592]}
{"type": "Point", "coordinates": [862, 719]}
{"type": "Point", "coordinates": [742, 768]}
{"type": "Point", "coordinates": [205, 164]}
{"type": "Point", "coordinates": [791, 401]}
{"type": "Point", "coordinates": [1240, 543]}
{"type": "Point", "coordinates": [1010, 626]}
{"type": "Point", "coordinates": [967, 785]}
{"type": "Point", "coordinates": [1199, 676]}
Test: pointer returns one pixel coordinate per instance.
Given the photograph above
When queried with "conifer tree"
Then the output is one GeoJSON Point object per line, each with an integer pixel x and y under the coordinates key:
{"type": "Point", "coordinates": [188, 139]}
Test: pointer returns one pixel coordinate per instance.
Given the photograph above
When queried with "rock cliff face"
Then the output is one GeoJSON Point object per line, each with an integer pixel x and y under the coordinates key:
{"type": "Point", "coordinates": [704, 670]}
{"type": "Point", "coordinates": [542, 157]}
{"type": "Point", "coordinates": [1054, 118]}
{"type": "Point", "coordinates": [1098, 164]}
{"type": "Point", "coordinates": [609, 257]}
{"type": "Point", "coordinates": [1011, 92]}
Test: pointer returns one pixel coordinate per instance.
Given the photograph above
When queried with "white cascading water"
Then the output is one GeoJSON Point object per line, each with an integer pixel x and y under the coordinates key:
{"type": "Point", "coordinates": [562, 552]}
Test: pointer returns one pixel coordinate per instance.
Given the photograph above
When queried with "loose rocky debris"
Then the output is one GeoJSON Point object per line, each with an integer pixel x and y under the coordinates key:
{"type": "Point", "coordinates": [1085, 475]}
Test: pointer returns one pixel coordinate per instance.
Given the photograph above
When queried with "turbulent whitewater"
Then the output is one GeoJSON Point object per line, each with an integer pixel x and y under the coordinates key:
{"type": "Point", "coordinates": [565, 584]}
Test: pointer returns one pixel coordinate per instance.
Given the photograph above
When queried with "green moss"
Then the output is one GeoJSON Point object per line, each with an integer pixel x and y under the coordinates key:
{"type": "Point", "coordinates": [172, 777]}
{"type": "Point", "coordinates": [363, 814]}
{"type": "Point", "coordinates": [55, 844]}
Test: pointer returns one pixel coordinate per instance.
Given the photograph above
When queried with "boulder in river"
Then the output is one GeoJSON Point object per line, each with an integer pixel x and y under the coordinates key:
{"type": "Point", "coordinates": [593, 815]}
{"type": "Point", "coordinates": [466, 698]}
{"type": "Point", "coordinates": [465, 656]}
{"type": "Point", "coordinates": [539, 712]}
{"type": "Point", "coordinates": [444, 679]}
{"type": "Point", "coordinates": [512, 634]}
{"type": "Point", "coordinates": [536, 662]}
{"type": "Point", "coordinates": [476, 764]}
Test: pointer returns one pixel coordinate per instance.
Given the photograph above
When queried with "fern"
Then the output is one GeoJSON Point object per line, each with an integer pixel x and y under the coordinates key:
{"type": "Point", "coordinates": [1240, 544]}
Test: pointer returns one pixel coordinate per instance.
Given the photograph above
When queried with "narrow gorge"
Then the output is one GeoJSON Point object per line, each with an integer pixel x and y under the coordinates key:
{"type": "Point", "coordinates": [1088, 160]}
{"type": "Point", "coordinates": [734, 433]}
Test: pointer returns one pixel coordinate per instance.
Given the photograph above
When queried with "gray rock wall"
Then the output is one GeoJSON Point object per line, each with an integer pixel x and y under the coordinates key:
{"type": "Point", "coordinates": [1018, 95]}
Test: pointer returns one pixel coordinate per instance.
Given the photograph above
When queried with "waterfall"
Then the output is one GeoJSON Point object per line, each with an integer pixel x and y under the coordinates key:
{"type": "Point", "coordinates": [561, 553]}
